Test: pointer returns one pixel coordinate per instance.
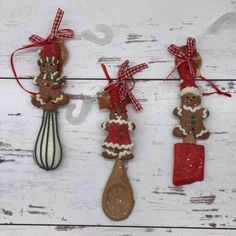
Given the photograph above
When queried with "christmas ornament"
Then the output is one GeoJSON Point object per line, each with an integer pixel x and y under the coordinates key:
{"type": "Point", "coordinates": [189, 157]}
{"type": "Point", "coordinates": [53, 55]}
{"type": "Point", "coordinates": [118, 200]}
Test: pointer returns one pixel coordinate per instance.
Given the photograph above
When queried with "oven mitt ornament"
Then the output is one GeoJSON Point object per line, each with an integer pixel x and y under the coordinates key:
{"type": "Point", "coordinates": [118, 200]}
{"type": "Point", "coordinates": [189, 157]}
{"type": "Point", "coordinates": [49, 80]}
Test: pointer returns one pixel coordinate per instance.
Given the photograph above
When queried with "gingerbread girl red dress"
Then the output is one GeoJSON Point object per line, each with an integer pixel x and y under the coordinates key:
{"type": "Point", "coordinates": [118, 200]}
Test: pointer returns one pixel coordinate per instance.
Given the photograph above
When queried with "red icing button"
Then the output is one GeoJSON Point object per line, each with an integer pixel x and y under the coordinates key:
{"type": "Point", "coordinates": [188, 163]}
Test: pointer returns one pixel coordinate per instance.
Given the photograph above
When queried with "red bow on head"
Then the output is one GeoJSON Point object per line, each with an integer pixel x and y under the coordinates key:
{"type": "Point", "coordinates": [191, 49]}
{"type": "Point", "coordinates": [124, 90]}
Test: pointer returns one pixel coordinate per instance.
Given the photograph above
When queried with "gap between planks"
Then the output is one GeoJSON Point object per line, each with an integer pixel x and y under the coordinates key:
{"type": "Point", "coordinates": [118, 226]}
{"type": "Point", "coordinates": [101, 79]}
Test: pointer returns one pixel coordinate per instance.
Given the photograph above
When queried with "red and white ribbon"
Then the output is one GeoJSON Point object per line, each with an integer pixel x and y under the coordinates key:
{"type": "Point", "coordinates": [182, 56]}
{"type": "Point", "coordinates": [55, 32]}
{"type": "Point", "coordinates": [124, 90]}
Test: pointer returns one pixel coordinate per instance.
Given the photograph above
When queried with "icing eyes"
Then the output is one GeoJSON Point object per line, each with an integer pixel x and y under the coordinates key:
{"type": "Point", "coordinates": [52, 64]}
{"type": "Point", "coordinates": [43, 65]}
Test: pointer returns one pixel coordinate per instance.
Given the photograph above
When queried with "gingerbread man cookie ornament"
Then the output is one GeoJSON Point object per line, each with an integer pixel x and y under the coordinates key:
{"type": "Point", "coordinates": [53, 54]}
{"type": "Point", "coordinates": [118, 200]}
{"type": "Point", "coordinates": [189, 157]}
{"type": "Point", "coordinates": [49, 80]}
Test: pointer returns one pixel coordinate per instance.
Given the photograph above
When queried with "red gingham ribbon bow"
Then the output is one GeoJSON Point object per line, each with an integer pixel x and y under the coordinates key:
{"type": "Point", "coordinates": [191, 49]}
{"type": "Point", "coordinates": [124, 73]}
{"type": "Point", "coordinates": [55, 32]}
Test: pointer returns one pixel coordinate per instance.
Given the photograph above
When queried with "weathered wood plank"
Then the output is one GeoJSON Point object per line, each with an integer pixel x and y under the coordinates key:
{"type": "Point", "coordinates": [141, 34]}
{"type": "Point", "coordinates": [113, 231]}
{"type": "Point", "coordinates": [72, 194]}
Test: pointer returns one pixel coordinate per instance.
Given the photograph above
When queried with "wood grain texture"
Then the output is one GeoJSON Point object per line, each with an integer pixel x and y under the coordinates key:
{"type": "Point", "coordinates": [70, 197]}
{"type": "Point", "coordinates": [117, 231]}
{"type": "Point", "coordinates": [142, 33]}
{"type": "Point", "coordinates": [72, 194]}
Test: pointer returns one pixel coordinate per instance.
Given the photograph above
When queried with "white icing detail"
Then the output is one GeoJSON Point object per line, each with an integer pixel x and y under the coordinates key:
{"type": "Point", "coordinates": [53, 58]}
{"type": "Point", "coordinates": [186, 108]}
{"type": "Point", "coordinates": [57, 99]}
{"type": "Point", "coordinates": [179, 111]}
{"type": "Point", "coordinates": [59, 78]}
{"type": "Point", "coordinates": [192, 90]}
{"type": "Point", "coordinates": [114, 154]}
{"type": "Point", "coordinates": [47, 59]}
{"type": "Point", "coordinates": [130, 126]}
{"type": "Point", "coordinates": [118, 146]}
{"type": "Point", "coordinates": [201, 133]}
{"type": "Point", "coordinates": [104, 125]}
{"type": "Point", "coordinates": [181, 81]}
{"type": "Point", "coordinates": [204, 115]}
{"type": "Point", "coordinates": [119, 121]}
{"type": "Point", "coordinates": [39, 98]}
{"type": "Point", "coordinates": [44, 76]}
{"type": "Point", "coordinates": [48, 151]}
{"type": "Point", "coordinates": [124, 153]}
{"type": "Point", "coordinates": [182, 129]}
{"type": "Point", "coordinates": [35, 79]}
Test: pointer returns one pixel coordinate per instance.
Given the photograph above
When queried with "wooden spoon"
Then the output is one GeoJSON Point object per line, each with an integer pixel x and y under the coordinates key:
{"type": "Point", "coordinates": [118, 200]}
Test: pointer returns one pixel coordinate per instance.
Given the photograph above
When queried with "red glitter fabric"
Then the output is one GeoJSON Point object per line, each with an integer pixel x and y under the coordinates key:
{"type": "Point", "coordinates": [188, 163]}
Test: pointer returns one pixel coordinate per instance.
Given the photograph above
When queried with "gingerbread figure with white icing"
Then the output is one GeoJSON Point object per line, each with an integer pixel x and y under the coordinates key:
{"type": "Point", "coordinates": [50, 80]}
{"type": "Point", "coordinates": [191, 113]}
{"type": "Point", "coordinates": [189, 157]}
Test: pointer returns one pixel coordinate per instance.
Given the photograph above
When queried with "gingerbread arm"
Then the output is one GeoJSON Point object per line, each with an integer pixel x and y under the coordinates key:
{"type": "Point", "coordinates": [178, 111]}
{"type": "Point", "coordinates": [205, 113]}
{"type": "Point", "coordinates": [131, 125]}
{"type": "Point", "coordinates": [105, 126]}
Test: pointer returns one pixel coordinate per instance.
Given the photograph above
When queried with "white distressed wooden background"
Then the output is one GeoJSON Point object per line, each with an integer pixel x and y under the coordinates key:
{"type": "Point", "coordinates": [68, 201]}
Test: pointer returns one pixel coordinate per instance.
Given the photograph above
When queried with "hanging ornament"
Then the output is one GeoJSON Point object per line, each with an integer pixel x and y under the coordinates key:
{"type": "Point", "coordinates": [52, 56]}
{"type": "Point", "coordinates": [189, 157]}
{"type": "Point", "coordinates": [118, 200]}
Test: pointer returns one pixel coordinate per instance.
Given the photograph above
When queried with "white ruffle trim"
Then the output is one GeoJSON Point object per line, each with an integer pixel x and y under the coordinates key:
{"type": "Point", "coordinates": [192, 90]}
{"type": "Point", "coordinates": [114, 154]}
{"type": "Point", "coordinates": [182, 129]}
{"type": "Point", "coordinates": [39, 98]}
{"type": "Point", "coordinates": [57, 99]}
{"type": "Point", "coordinates": [191, 109]}
{"type": "Point", "coordinates": [104, 125]}
{"type": "Point", "coordinates": [204, 115]}
{"type": "Point", "coordinates": [124, 153]}
{"type": "Point", "coordinates": [179, 111]}
{"type": "Point", "coordinates": [118, 146]}
{"type": "Point", "coordinates": [119, 121]}
{"type": "Point", "coordinates": [201, 133]}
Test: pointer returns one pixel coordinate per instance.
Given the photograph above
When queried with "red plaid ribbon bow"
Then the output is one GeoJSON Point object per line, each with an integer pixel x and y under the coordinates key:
{"type": "Point", "coordinates": [55, 32]}
{"type": "Point", "coordinates": [124, 73]}
{"type": "Point", "coordinates": [191, 49]}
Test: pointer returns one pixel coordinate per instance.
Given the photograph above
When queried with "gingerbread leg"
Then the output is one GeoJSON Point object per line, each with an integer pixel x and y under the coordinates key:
{"type": "Point", "coordinates": [109, 153]}
{"type": "Point", "coordinates": [125, 155]}
{"type": "Point", "coordinates": [179, 132]}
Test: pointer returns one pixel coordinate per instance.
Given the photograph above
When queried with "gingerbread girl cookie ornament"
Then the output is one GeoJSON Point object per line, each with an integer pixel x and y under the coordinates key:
{"type": "Point", "coordinates": [118, 200]}
{"type": "Point", "coordinates": [49, 80]}
{"type": "Point", "coordinates": [189, 156]}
